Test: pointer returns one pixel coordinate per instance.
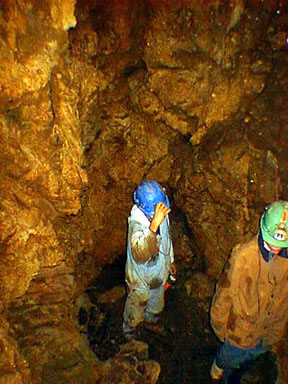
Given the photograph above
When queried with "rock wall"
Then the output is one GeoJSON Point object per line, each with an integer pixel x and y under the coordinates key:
{"type": "Point", "coordinates": [94, 98]}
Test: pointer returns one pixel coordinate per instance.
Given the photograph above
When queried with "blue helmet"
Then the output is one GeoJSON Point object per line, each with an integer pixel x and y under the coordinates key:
{"type": "Point", "coordinates": [147, 195]}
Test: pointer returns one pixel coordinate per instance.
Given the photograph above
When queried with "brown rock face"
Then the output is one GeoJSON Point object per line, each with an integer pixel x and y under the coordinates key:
{"type": "Point", "coordinates": [96, 96]}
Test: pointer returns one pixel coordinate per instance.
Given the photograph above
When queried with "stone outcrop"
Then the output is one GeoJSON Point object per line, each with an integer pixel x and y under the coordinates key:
{"type": "Point", "coordinates": [133, 354]}
{"type": "Point", "coordinates": [95, 97]}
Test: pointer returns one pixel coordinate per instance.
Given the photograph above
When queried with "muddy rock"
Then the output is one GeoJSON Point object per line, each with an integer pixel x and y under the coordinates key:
{"type": "Point", "coordinates": [201, 288]}
{"type": "Point", "coordinates": [96, 96]}
{"type": "Point", "coordinates": [131, 365]}
{"type": "Point", "coordinates": [112, 295]}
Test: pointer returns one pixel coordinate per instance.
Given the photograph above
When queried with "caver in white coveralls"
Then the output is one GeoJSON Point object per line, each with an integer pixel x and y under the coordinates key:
{"type": "Point", "coordinates": [146, 279]}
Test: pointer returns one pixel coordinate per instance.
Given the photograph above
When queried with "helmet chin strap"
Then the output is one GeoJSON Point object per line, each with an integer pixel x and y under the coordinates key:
{"type": "Point", "coordinates": [148, 217]}
{"type": "Point", "coordinates": [270, 248]}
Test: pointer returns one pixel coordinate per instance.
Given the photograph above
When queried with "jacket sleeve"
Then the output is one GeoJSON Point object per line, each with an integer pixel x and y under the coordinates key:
{"type": "Point", "coordinates": [222, 311]}
{"type": "Point", "coordinates": [144, 243]}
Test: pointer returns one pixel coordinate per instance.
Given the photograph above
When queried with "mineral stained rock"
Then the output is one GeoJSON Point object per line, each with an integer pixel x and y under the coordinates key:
{"type": "Point", "coordinates": [97, 96]}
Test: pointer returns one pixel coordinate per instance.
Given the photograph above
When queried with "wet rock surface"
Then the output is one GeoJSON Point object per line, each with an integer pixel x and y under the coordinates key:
{"type": "Point", "coordinates": [95, 96]}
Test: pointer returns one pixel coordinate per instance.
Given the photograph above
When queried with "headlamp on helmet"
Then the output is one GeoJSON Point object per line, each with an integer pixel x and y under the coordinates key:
{"type": "Point", "coordinates": [274, 224]}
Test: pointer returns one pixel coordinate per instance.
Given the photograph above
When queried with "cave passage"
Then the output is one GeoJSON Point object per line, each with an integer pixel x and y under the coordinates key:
{"type": "Point", "coordinates": [95, 97]}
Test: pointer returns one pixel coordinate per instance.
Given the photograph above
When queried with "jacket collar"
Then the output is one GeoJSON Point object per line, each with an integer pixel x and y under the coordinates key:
{"type": "Point", "coordinates": [267, 255]}
{"type": "Point", "coordinates": [138, 215]}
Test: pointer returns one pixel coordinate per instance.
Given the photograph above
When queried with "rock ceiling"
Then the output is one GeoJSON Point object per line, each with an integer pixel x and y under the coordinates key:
{"type": "Point", "coordinates": [94, 98]}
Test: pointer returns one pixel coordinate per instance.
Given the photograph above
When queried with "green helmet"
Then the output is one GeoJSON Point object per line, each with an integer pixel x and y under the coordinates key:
{"type": "Point", "coordinates": [274, 224]}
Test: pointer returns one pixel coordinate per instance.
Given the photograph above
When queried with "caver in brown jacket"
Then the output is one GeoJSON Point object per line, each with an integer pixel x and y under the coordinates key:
{"type": "Point", "coordinates": [251, 298]}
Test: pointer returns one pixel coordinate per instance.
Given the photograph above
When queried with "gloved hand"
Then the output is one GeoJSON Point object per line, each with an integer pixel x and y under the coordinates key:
{"type": "Point", "coordinates": [161, 211]}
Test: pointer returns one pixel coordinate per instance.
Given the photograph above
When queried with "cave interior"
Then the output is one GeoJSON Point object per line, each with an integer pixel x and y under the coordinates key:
{"type": "Point", "coordinates": [97, 96]}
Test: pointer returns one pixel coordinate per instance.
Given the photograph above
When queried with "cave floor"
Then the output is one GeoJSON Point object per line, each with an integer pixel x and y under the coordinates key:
{"type": "Point", "coordinates": [187, 350]}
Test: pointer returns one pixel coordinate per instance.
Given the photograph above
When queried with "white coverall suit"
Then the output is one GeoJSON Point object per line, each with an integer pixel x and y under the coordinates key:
{"type": "Point", "coordinates": [146, 280]}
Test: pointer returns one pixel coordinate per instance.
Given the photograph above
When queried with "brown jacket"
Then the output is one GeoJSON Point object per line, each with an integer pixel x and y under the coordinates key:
{"type": "Point", "coordinates": [251, 298]}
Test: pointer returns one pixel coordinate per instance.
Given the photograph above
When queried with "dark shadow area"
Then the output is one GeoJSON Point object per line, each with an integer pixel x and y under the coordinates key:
{"type": "Point", "coordinates": [185, 350]}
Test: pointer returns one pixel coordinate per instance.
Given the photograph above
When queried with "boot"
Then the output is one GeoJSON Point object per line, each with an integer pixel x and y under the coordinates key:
{"type": "Point", "coordinates": [129, 332]}
{"type": "Point", "coordinates": [155, 328]}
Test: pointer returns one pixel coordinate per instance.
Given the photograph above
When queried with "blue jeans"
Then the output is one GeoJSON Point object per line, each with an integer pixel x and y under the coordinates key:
{"type": "Point", "coordinates": [231, 358]}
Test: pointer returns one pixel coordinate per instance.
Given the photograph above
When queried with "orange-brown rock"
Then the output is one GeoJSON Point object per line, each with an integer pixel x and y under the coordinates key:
{"type": "Point", "coordinates": [95, 97]}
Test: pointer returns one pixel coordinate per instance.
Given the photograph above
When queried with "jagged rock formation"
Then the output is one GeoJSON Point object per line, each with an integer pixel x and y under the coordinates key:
{"type": "Point", "coordinates": [96, 96]}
